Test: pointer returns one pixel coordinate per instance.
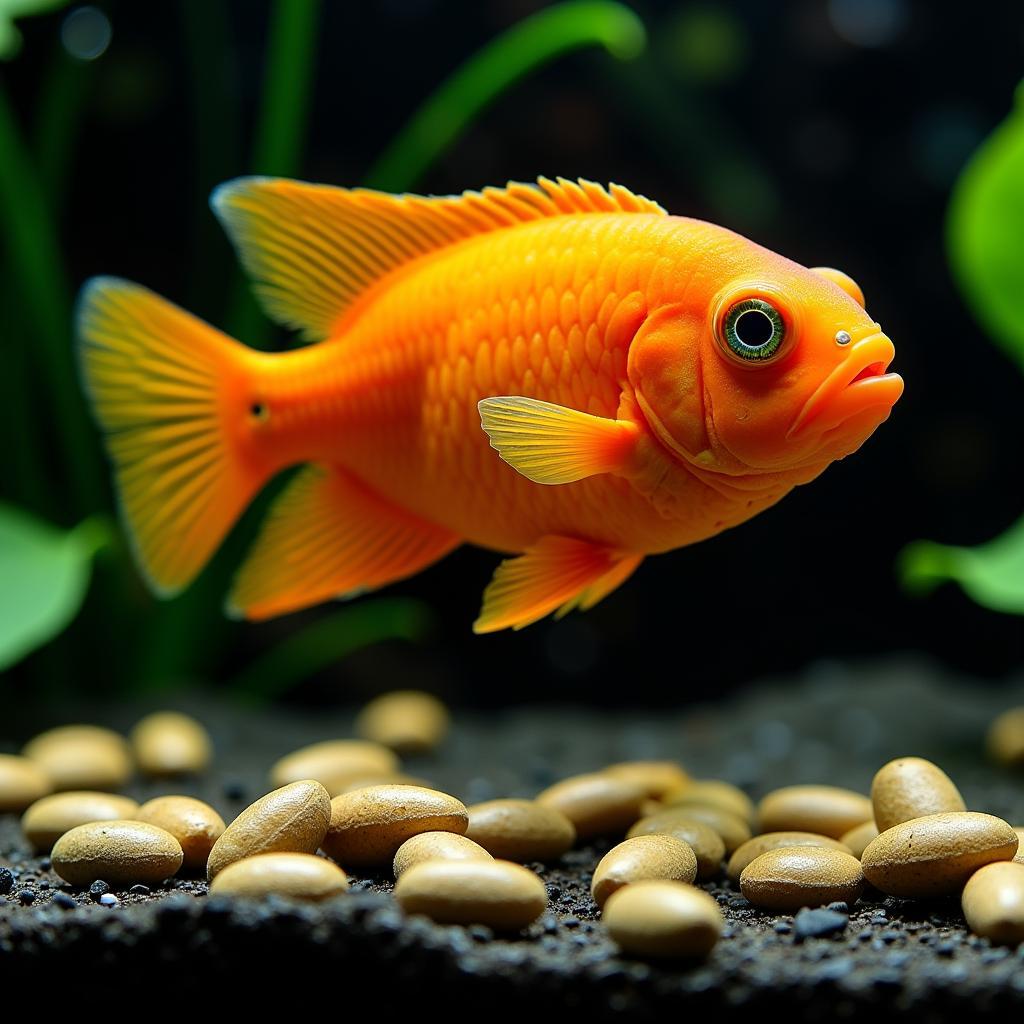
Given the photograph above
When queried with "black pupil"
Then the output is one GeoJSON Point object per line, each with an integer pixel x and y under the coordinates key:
{"type": "Point", "coordinates": [257, 409]}
{"type": "Point", "coordinates": [754, 328]}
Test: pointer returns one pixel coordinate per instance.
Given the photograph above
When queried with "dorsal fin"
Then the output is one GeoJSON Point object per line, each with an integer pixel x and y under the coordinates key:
{"type": "Point", "coordinates": [314, 250]}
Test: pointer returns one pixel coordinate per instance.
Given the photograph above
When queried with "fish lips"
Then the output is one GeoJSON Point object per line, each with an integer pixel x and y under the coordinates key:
{"type": "Point", "coordinates": [860, 382]}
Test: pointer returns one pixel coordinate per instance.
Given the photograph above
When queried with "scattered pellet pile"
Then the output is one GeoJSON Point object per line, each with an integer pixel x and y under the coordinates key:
{"type": "Point", "coordinates": [616, 863]}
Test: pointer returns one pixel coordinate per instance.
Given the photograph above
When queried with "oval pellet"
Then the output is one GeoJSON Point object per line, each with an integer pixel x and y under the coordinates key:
{"type": "Point", "coordinates": [933, 856]}
{"type": "Point", "coordinates": [827, 810]}
{"type": "Point", "coordinates": [713, 793]}
{"type": "Point", "coordinates": [334, 763]}
{"type": "Point", "coordinates": [436, 846]}
{"type": "Point", "coordinates": [663, 919]}
{"type": "Point", "coordinates": [498, 893]}
{"type": "Point", "coordinates": [380, 779]}
{"type": "Point", "coordinates": [993, 902]}
{"type": "Point", "coordinates": [732, 829]}
{"type": "Point", "coordinates": [655, 778]}
{"type": "Point", "coordinates": [196, 825]}
{"type": "Point", "coordinates": [169, 743]}
{"type": "Point", "coordinates": [409, 721]}
{"type": "Point", "coordinates": [82, 757]}
{"type": "Point", "coordinates": [520, 830]}
{"type": "Point", "coordinates": [786, 879]}
{"type": "Point", "coordinates": [597, 804]}
{"type": "Point", "coordinates": [911, 787]}
{"type": "Point", "coordinates": [292, 819]}
{"type": "Point", "coordinates": [639, 859]}
{"type": "Point", "coordinates": [49, 818]}
{"type": "Point", "coordinates": [1019, 855]}
{"type": "Point", "coordinates": [857, 838]}
{"type": "Point", "coordinates": [121, 853]}
{"type": "Point", "coordinates": [753, 848]}
{"type": "Point", "coordinates": [707, 845]}
{"type": "Point", "coordinates": [299, 876]}
{"type": "Point", "coordinates": [22, 782]}
{"type": "Point", "coordinates": [369, 825]}
{"type": "Point", "coordinates": [1005, 739]}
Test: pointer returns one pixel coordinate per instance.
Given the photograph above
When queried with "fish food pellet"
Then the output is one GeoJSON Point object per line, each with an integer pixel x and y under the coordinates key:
{"type": "Point", "coordinates": [120, 852]}
{"type": "Point", "coordinates": [713, 793]}
{"type": "Point", "coordinates": [334, 763]}
{"type": "Point", "coordinates": [597, 804]}
{"type": "Point", "coordinates": [49, 818]}
{"type": "Point", "coordinates": [857, 838]}
{"type": "Point", "coordinates": [436, 846]}
{"type": "Point", "coordinates": [292, 819]}
{"type": "Point", "coordinates": [753, 848]}
{"type": "Point", "coordinates": [378, 779]}
{"type": "Point", "coordinates": [993, 902]}
{"type": "Point", "coordinates": [367, 826]}
{"type": "Point", "coordinates": [642, 858]}
{"type": "Point", "coordinates": [655, 778]}
{"type": "Point", "coordinates": [707, 845]}
{"type": "Point", "coordinates": [82, 757]}
{"type": "Point", "coordinates": [521, 830]}
{"type": "Point", "coordinates": [300, 876]}
{"type": "Point", "coordinates": [1019, 855]}
{"type": "Point", "coordinates": [408, 721]}
{"type": "Point", "coordinates": [786, 879]}
{"type": "Point", "coordinates": [828, 810]}
{"type": "Point", "coordinates": [732, 829]}
{"type": "Point", "coordinates": [933, 856]}
{"type": "Point", "coordinates": [196, 826]}
{"type": "Point", "coordinates": [169, 743]}
{"type": "Point", "coordinates": [22, 782]}
{"type": "Point", "coordinates": [1005, 739]}
{"type": "Point", "coordinates": [911, 787]}
{"type": "Point", "coordinates": [663, 919]}
{"type": "Point", "coordinates": [498, 893]}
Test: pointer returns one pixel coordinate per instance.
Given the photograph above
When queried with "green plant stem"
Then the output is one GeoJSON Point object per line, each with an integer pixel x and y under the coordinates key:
{"type": "Point", "coordinates": [529, 44]}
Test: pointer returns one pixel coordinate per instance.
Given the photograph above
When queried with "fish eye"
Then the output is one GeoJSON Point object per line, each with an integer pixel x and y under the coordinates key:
{"type": "Point", "coordinates": [258, 411]}
{"type": "Point", "coordinates": [753, 329]}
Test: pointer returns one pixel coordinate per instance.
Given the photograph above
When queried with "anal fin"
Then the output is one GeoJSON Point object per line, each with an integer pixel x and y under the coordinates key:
{"type": "Point", "coordinates": [326, 536]}
{"type": "Point", "coordinates": [557, 574]}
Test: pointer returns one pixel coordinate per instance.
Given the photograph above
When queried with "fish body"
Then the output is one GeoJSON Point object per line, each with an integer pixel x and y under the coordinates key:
{"type": "Point", "coordinates": [539, 370]}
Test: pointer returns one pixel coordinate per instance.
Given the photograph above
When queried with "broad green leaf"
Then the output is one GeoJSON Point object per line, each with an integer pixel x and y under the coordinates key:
{"type": "Point", "coordinates": [10, 37]}
{"type": "Point", "coordinates": [44, 574]}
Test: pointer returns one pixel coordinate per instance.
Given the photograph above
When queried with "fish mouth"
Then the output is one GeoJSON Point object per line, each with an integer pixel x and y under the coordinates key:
{"type": "Point", "coordinates": [859, 382]}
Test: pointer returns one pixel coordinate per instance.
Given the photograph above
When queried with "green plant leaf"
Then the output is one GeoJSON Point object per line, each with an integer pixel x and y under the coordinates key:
{"type": "Point", "coordinates": [44, 574]}
{"type": "Point", "coordinates": [10, 37]}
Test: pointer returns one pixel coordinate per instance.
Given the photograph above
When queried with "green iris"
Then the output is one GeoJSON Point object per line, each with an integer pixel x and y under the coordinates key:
{"type": "Point", "coordinates": [754, 329]}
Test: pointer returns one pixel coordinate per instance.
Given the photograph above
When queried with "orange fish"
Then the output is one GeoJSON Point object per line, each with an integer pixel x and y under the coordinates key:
{"type": "Point", "coordinates": [558, 371]}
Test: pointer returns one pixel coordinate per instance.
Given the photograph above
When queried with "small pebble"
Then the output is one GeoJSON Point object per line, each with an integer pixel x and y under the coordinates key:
{"type": "Point", "coordinates": [520, 830]}
{"type": "Point", "coordinates": [6, 881]}
{"type": "Point", "coordinates": [109, 900]}
{"type": "Point", "coordinates": [642, 858]}
{"type": "Point", "coordinates": [596, 804]}
{"type": "Point", "coordinates": [169, 743]}
{"type": "Point", "coordinates": [140, 890]}
{"type": "Point", "coordinates": [818, 923]}
{"type": "Point", "coordinates": [408, 721]}
{"type": "Point", "coordinates": [98, 888]}
{"type": "Point", "coordinates": [911, 787]}
{"type": "Point", "coordinates": [64, 901]}
{"type": "Point", "coordinates": [826, 810]}
{"type": "Point", "coordinates": [82, 757]}
{"type": "Point", "coordinates": [26, 896]}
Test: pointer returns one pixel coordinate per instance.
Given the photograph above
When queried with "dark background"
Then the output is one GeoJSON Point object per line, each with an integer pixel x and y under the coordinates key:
{"type": "Point", "coordinates": [773, 119]}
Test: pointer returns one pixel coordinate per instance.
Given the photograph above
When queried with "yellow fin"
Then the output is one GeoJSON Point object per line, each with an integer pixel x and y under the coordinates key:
{"type": "Point", "coordinates": [550, 444]}
{"type": "Point", "coordinates": [156, 377]}
{"type": "Point", "coordinates": [315, 250]}
{"type": "Point", "coordinates": [326, 537]}
{"type": "Point", "coordinates": [556, 574]}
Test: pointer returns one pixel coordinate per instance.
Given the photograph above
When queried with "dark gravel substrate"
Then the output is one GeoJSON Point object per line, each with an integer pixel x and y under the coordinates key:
{"type": "Point", "coordinates": [837, 724]}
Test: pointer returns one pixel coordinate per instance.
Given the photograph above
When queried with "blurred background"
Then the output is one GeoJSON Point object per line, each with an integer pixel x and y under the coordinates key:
{"type": "Point", "coordinates": [832, 132]}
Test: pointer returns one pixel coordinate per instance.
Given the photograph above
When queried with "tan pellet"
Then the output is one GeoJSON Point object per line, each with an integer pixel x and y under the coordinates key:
{"type": "Point", "coordinates": [300, 876]}
{"type": "Point", "coordinates": [786, 879]}
{"type": "Point", "coordinates": [993, 902]}
{"type": "Point", "coordinates": [1006, 737]}
{"type": "Point", "coordinates": [911, 787]}
{"type": "Point", "coordinates": [498, 893]}
{"type": "Point", "coordinates": [655, 778]}
{"type": "Point", "coordinates": [82, 757]}
{"type": "Point", "coordinates": [169, 743]}
{"type": "Point", "coordinates": [934, 856]}
{"type": "Point", "coordinates": [639, 859]}
{"type": "Point", "coordinates": [121, 853]}
{"type": "Point", "coordinates": [22, 782]}
{"type": "Point", "coordinates": [334, 763]}
{"type": "Point", "coordinates": [369, 825]}
{"type": "Point", "coordinates": [1019, 855]}
{"type": "Point", "coordinates": [292, 819]}
{"type": "Point", "coordinates": [707, 845]}
{"type": "Point", "coordinates": [732, 829]}
{"type": "Point", "coordinates": [196, 825]}
{"type": "Point", "coordinates": [857, 839]}
{"type": "Point", "coordinates": [436, 846]}
{"type": "Point", "coordinates": [663, 919]}
{"type": "Point", "coordinates": [753, 848]}
{"type": "Point", "coordinates": [521, 830]}
{"type": "Point", "coordinates": [597, 804]}
{"type": "Point", "coordinates": [408, 721]}
{"type": "Point", "coordinates": [713, 793]}
{"type": "Point", "coordinates": [378, 779]}
{"type": "Point", "coordinates": [828, 810]}
{"type": "Point", "coordinates": [49, 818]}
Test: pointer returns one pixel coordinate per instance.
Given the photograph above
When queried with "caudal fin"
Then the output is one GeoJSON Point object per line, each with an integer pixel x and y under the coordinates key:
{"type": "Point", "coordinates": [161, 383]}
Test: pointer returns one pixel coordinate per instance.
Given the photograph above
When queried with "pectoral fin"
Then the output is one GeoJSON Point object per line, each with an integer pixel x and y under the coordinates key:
{"type": "Point", "coordinates": [556, 574]}
{"type": "Point", "coordinates": [550, 444]}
